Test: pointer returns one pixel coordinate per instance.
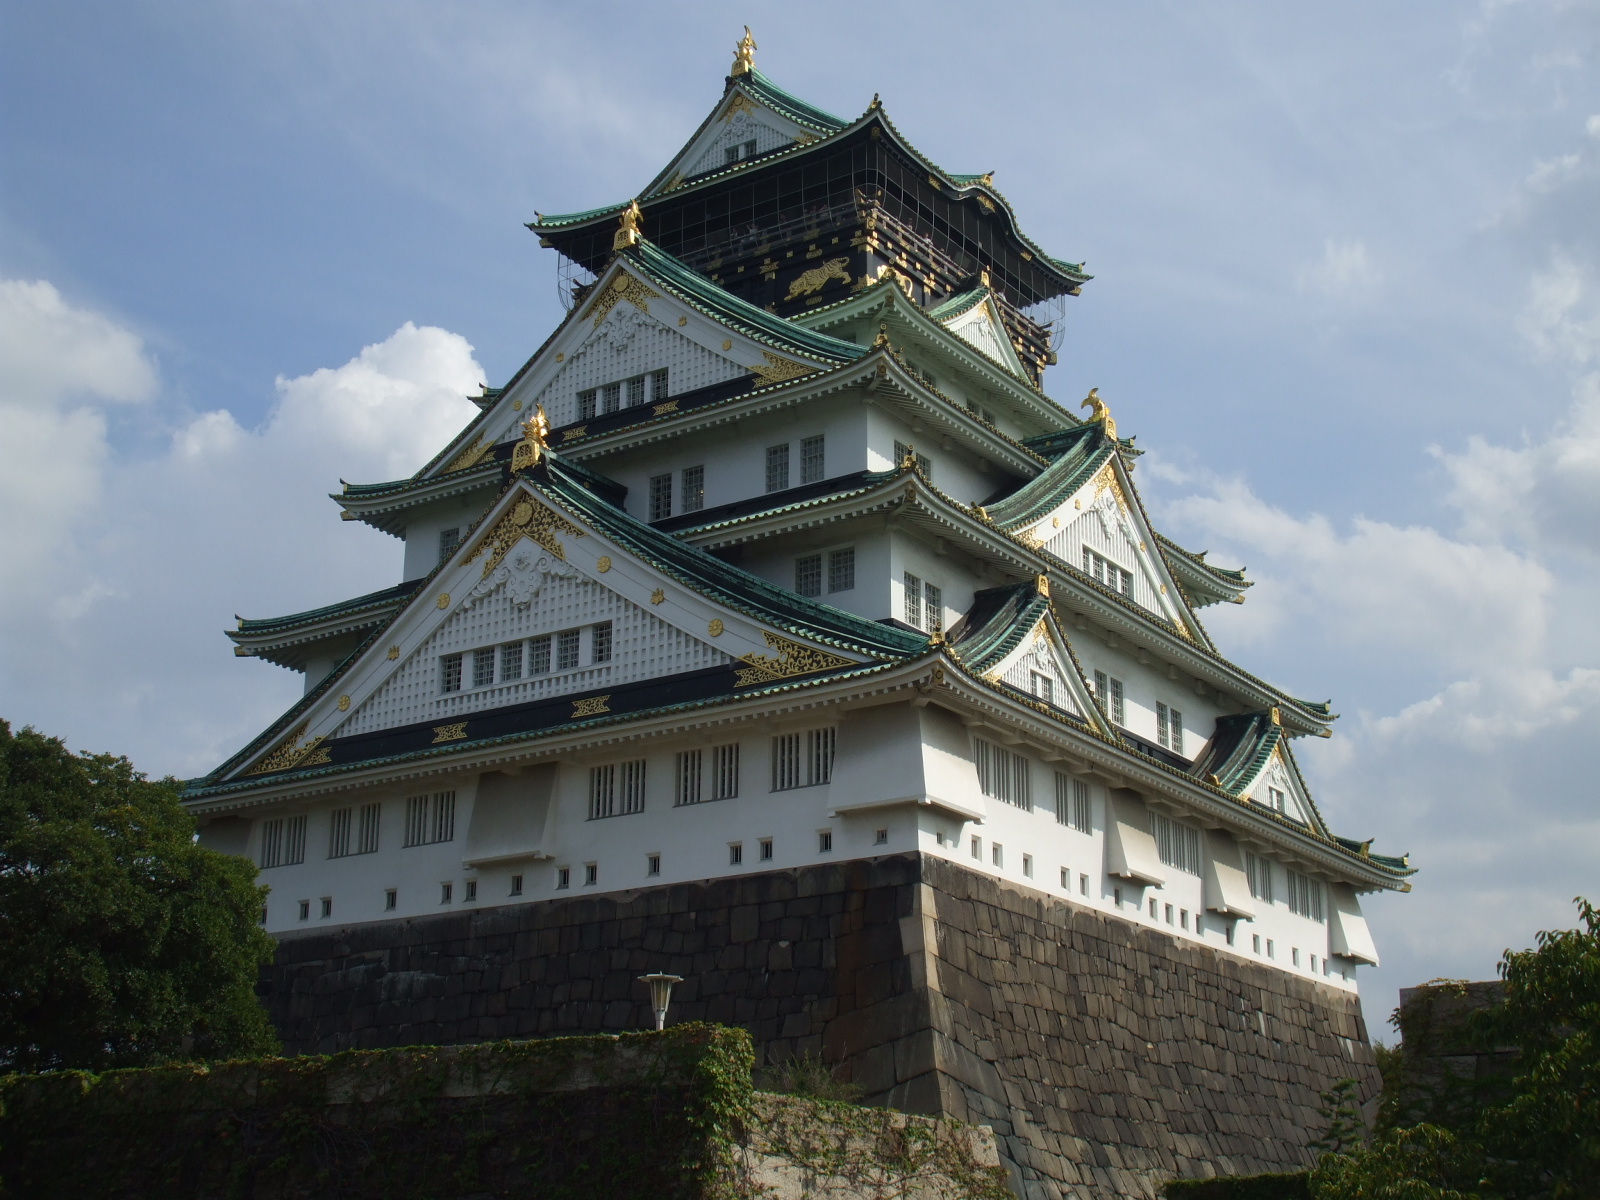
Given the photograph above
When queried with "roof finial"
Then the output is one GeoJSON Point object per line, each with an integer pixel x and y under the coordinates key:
{"type": "Point", "coordinates": [1099, 412]}
{"type": "Point", "coordinates": [628, 228]}
{"type": "Point", "coordinates": [744, 55]}
{"type": "Point", "coordinates": [983, 277]}
{"type": "Point", "coordinates": [535, 441]}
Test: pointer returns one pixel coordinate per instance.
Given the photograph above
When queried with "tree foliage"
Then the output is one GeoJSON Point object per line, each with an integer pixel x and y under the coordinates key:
{"type": "Point", "coordinates": [122, 942]}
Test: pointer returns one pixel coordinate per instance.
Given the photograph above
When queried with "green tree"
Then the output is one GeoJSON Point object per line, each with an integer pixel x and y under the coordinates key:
{"type": "Point", "coordinates": [122, 942]}
{"type": "Point", "coordinates": [1422, 1162]}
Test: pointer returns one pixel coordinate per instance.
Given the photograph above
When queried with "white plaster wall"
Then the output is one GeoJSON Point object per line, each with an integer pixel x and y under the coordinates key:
{"type": "Point", "coordinates": [773, 560]}
{"type": "Point", "coordinates": [953, 576]}
{"type": "Point", "coordinates": [1143, 685]}
{"type": "Point", "coordinates": [424, 522]}
{"type": "Point", "coordinates": [956, 472]}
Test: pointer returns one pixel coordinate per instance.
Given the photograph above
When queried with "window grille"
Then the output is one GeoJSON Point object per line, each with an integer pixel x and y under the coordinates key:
{"type": "Point", "coordinates": [450, 673]}
{"type": "Point", "coordinates": [636, 391]}
{"type": "Point", "coordinates": [601, 644]}
{"type": "Point", "coordinates": [367, 836]}
{"type": "Point", "coordinates": [1003, 775]}
{"type": "Point", "coordinates": [997, 854]}
{"type": "Point", "coordinates": [1177, 844]}
{"type": "Point", "coordinates": [932, 608]}
{"type": "Point", "coordinates": [1109, 692]}
{"type": "Point", "coordinates": [447, 892]}
{"type": "Point", "coordinates": [1275, 799]}
{"type": "Point", "coordinates": [616, 789]}
{"type": "Point", "coordinates": [766, 849]}
{"type": "Point", "coordinates": [777, 467]}
{"type": "Point", "coordinates": [692, 489]}
{"type": "Point", "coordinates": [482, 667]}
{"type": "Point", "coordinates": [1259, 873]}
{"type": "Point", "coordinates": [808, 575]}
{"type": "Point", "coordinates": [510, 661]}
{"type": "Point", "coordinates": [449, 539]}
{"type": "Point", "coordinates": [660, 496]}
{"type": "Point", "coordinates": [566, 649]}
{"type": "Point", "coordinates": [1072, 803]}
{"type": "Point", "coordinates": [811, 459]}
{"type": "Point", "coordinates": [327, 907]}
{"type": "Point", "coordinates": [283, 842]}
{"type": "Point", "coordinates": [339, 832]}
{"type": "Point", "coordinates": [824, 841]}
{"type": "Point", "coordinates": [563, 877]}
{"type": "Point", "coordinates": [516, 885]}
{"type": "Point", "coordinates": [472, 889]}
{"type": "Point", "coordinates": [913, 599]}
{"type": "Point", "coordinates": [977, 848]}
{"type": "Point", "coordinates": [842, 569]}
{"type": "Point", "coordinates": [1169, 727]}
{"type": "Point", "coordinates": [431, 819]}
{"type": "Point", "coordinates": [735, 853]}
{"type": "Point", "coordinates": [658, 385]}
{"type": "Point", "coordinates": [539, 656]}
{"type": "Point", "coordinates": [611, 397]}
{"type": "Point", "coordinates": [686, 779]}
{"type": "Point", "coordinates": [1103, 570]}
{"type": "Point", "coordinates": [1043, 686]}
{"type": "Point", "coordinates": [586, 404]}
{"type": "Point", "coordinates": [725, 771]}
{"type": "Point", "coordinates": [1305, 897]}
{"type": "Point", "coordinates": [802, 759]}
{"type": "Point", "coordinates": [652, 864]}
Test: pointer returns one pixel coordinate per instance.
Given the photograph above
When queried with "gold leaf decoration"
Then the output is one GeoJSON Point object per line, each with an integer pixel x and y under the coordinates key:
{"type": "Point", "coordinates": [603, 563]}
{"type": "Point", "coordinates": [449, 733]}
{"type": "Point", "coordinates": [526, 519]}
{"type": "Point", "coordinates": [657, 596]}
{"type": "Point", "coordinates": [791, 659]}
{"type": "Point", "coordinates": [444, 599]}
{"type": "Point", "coordinates": [472, 455]}
{"type": "Point", "coordinates": [669, 406]}
{"type": "Point", "coordinates": [809, 283]}
{"type": "Point", "coordinates": [716, 627]}
{"type": "Point", "coordinates": [779, 370]}
{"type": "Point", "coordinates": [623, 287]}
{"type": "Point", "coordinates": [394, 653]}
{"type": "Point", "coordinates": [590, 706]}
{"type": "Point", "coordinates": [288, 752]}
{"type": "Point", "coordinates": [344, 703]}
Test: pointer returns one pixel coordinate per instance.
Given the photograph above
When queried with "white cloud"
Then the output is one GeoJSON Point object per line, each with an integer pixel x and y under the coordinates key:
{"type": "Point", "coordinates": [1345, 269]}
{"type": "Point", "coordinates": [132, 565]}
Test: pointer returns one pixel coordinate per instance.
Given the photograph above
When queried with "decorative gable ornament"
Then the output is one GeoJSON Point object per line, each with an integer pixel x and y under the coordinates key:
{"type": "Point", "coordinates": [524, 573]}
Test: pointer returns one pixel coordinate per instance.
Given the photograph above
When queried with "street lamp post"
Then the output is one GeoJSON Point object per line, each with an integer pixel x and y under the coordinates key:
{"type": "Point", "coordinates": [661, 994]}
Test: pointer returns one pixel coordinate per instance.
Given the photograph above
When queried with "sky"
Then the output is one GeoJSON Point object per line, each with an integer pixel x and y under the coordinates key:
{"type": "Point", "coordinates": [1347, 294]}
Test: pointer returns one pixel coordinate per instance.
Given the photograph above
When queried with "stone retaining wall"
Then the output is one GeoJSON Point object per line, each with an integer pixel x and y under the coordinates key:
{"type": "Point", "coordinates": [1107, 1056]}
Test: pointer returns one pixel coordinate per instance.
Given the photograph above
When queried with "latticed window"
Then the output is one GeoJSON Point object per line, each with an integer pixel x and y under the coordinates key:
{"type": "Point", "coordinates": [1003, 774]}
{"type": "Point", "coordinates": [1103, 570]}
{"type": "Point", "coordinates": [1259, 872]}
{"type": "Point", "coordinates": [367, 837]}
{"type": "Point", "coordinates": [431, 819]}
{"type": "Point", "coordinates": [539, 656]}
{"type": "Point", "coordinates": [660, 496]}
{"type": "Point", "coordinates": [777, 467]}
{"type": "Point", "coordinates": [686, 778]}
{"type": "Point", "coordinates": [1042, 686]}
{"type": "Point", "coordinates": [566, 649]}
{"type": "Point", "coordinates": [1109, 692]}
{"type": "Point", "coordinates": [611, 397]}
{"type": "Point", "coordinates": [802, 759]}
{"type": "Point", "coordinates": [450, 673]}
{"type": "Point", "coordinates": [658, 385]}
{"type": "Point", "coordinates": [912, 591]}
{"type": "Point", "coordinates": [1275, 799]}
{"type": "Point", "coordinates": [283, 842]}
{"type": "Point", "coordinates": [511, 661]}
{"type": "Point", "coordinates": [842, 569]}
{"type": "Point", "coordinates": [811, 459]}
{"type": "Point", "coordinates": [1178, 844]}
{"type": "Point", "coordinates": [692, 489]}
{"type": "Point", "coordinates": [1072, 803]}
{"type": "Point", "coordinates": [483, 667]}
{"type": "Point", "coordinates": [586, 404]}
{"type": "Point", "coordinates": [449, 539]}
{"type": "Point", "coordinates": [616, 789]}
{"type": "Point", "coordinates": [1169, 727]}
{"type": "Point", "coordinates": [1305, 897]}
{"type": "Point", "coordinates": [602, 642]}
{"type": "Point", "coordinates": [901, 449]}
{"type": "Point", "coordinates": [636, 391]}
{"type": "Point", "coordinates": [808, 575]}
{"type": "Point", "coordinates": [339, 821]}
{"type": "Point", "coordinates": [633, 786]}
{"type": "Point", "coordinates": [932, 608]}
{"type": "Point", "coordinates": [725, 771]}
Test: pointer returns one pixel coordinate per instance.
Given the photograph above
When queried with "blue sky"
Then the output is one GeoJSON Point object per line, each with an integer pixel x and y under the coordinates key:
{"type": "Point", "coordinates": [1347, 294]}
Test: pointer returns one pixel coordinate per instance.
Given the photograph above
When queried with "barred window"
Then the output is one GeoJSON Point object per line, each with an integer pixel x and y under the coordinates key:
{"type": "Point", "coordinates": [1103, 570]}
{"type": "Point", "coordinates": [686, 779]}
{"type": "Point", "coordinates": [1072, 803]}
{"type": "Point", "coordinates": [367, 837]}
{"type": "Point", "coordinates": [1003, 774]}
{"type": "Point", "coordinates": [912, 589]}
{"type": "Point", "coordinates": [802, 759]}
{"type": "Point", "coordinates": [510, 661]}
{"type": "Point", "coordinates": [586, 404]}
{"type": "Point", "coordinates": [658, 385]}
{"type": "Point", "coordinates": [811, 459]}
{"type": "Point", "coordinates": [449, 539]}
{"type": "Point", "coordinates": [725, 771]}
{"type": "Point", "coordinates": [1305, 897]}
{"type": "Point", "coordinates": [636, 391]}
{"type": "Point", "coordinates": [566, 649]}
{"type": "Point", "coordinates": [808, 575]}
{"type": "Point", "coordinates": [692, 489]}
{"type": "Point", "coordinates": [1169, 727]}
{"type": "Point", "coordinates": [539, 656]}
{"type": "Point", "coordinates": [431, 819]}
{"type": "Point", "coordinates": [339, 832]}
{"type": "Point", "coordinates": [1259, 873]}
{"type": "Point", "coordinates": [842, 569]}
{"type": "Point", "coordinates": [1177, 844]}
{"type": "Point", "coordinates": [450, 673]}
{"type": "Point", "coordinates": [932, 608]}
{"type": "Point", "coordinates": [482, 667]}
{"type": "Point", "coordinates": [602, 642]}
{"type": "Point", "coordinates": [1042, 686]}
{"type": "Point", "coordinates": [611, 397]}
{"type": "Point", "coordinates": [1275, 799]}
{"type": "Point", "coordinates": [283, 842]}
{"type": "Point", "coordinates": [777, 467]}
{"type": "Point", "coordinates": [1109, 692]}
{"type": "Point", "coordinates": [616, 789]}
{"type": "Point", "coordinates": [660, 496]}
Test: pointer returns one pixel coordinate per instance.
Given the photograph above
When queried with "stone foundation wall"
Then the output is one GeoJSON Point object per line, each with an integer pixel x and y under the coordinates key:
{"type": "Point", "coordinates": [1107, 1056]}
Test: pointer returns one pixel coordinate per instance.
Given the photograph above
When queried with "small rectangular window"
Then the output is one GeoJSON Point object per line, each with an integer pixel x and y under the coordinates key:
{"type": "Point", "coordinates": [611, 397]}
{"type": "Point", "coordinates": [997, 854]}
{"type": "Point", "coordinates": [686, 778]}
{"type": "Point", "coordinates": [880, 837]}
{"type": "Point", "coordinates": [1294, 955]}
{"type": "Point", "coordinates": [750, 148]}
{"type": "Point", "coordinates": [472, 890]}
{"type": "Point", "coordinates": [1066, 878]}
{"type": "Point", "coordinates": [636, 391]}
{"type": "Point", "coordinates": [339, 822]}
{"type": "Point", "coordinates": [1255, 943]}
{"type": "Point", "coordinates": [1275, 799]}
{"type": "Point", "coordinates": [483, 667]}
{"type": "Point", "coordinates": [1083, 885]}
{"type": "Point", "coordinates": [449, 539]}
{"type": "Point", "coordinates": [1169, 914]}
{"type": "Point", "coordinates": [842, 569]}
{"type": "Point", "coordinates": [567, 643]}
{"type": "Point", "coordinates": [1183, 918]}
{"type": "Point", "coordinates": [692, 489]}
{"type": "Point", "coordinates": [766, 849]}
{"type": "Point", "coordinates": [430, 819]}
{"type": "Point", "coordinates": [1042, 686]}
{"type": "Point", "coordinates": [305, 910]}
{"type": "Point", "coordinates": [511, 661]}
{"type": "Point", "coordinates": [563, 877]}
{"type": "Point", "coordinates": [977, 848]}
{"type": "Point", "coordinates": [539, 656]}
{"type": "Point", "coordinates": [591, 874]}
{"type": "Point", "coordinates": [735, 853]}
{"type": "Point", "coordinates": [586, 404]}
{"type": "Point", "coordinates": [1027, 865]}
{"type": "Point", "coordinates": [725, 771]}
{"type": "Point", "coordinates": [516, 885]}
{"type": "Point", "coordinates": [450, 673]}
{"type": "Point", "coordinates": [777, 467]}
{"type": "Point", "coordinates": [911, 588]}
{"type": "Point", "coordinates": [600, 643]}
{"type": "Point", "coordinates": [658, 385]}
{"type": "Point", "coordinates": [327, 909]}
{"type": "Point", "coordinates": [660, 496]}
{"type": "Point", "coordinates": [825, 841]}
{"type": "Point", "coordinates": [391, 900]}
{"type": "Point", "coordinates": [932, 608]}
{"type": "Point", "coordinates": [808, 575]}
{"type": "Point", "coordinates": [1153, 908]}
{"type": "Point", "coordinates": [811, 459]}
{"type": "Point", "coordinates": [652, 864]}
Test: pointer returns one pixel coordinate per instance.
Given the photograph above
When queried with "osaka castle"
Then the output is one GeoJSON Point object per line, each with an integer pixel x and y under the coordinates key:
{"type": "Point", "coordinates": [778, 561]}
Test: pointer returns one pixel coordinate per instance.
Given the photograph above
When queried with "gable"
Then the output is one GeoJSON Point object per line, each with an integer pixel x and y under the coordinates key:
{"type": "Point", "coordinates": [1042, 656]}
{"type": "Point", "coordinates": [981, 328]}
{"type": "Point", "coordinates": [1279, 779]}
{"type": "Point", "coordinates": [742, 117]}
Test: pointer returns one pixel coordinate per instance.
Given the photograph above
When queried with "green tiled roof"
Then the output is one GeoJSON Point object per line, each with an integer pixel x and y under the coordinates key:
{"type": "Point", "coordinates": [788, 104]}
{"type": "Point", "coordinates": [344, 608]}
{"type": "Point", "coordinates": [996, 623]}
{"type": "Point", "coordinates": [1076, 453]}
{"type": "Point", "coordinates": [955, 305]}
{"type": "Point", "coordinates": [1229, 577]}
{"type": "Point", "coordinates": [1239, 749]}
{"type": "Point", "coordinates": [557, 220]}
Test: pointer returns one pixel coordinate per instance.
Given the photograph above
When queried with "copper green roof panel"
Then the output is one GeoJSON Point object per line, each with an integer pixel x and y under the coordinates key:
{"type": "Point", "coordinates": [997, 622]}
{"type": "Point", "coordinates": [557, 220]}
{"type": "Point", "coordinates": [790, 105]}
{"type": "Point", "coordinates": [955, 305]}
{"type": "Point", "coordinates": [1077, 454]}
{"type": "Point", "coordinates": [1239, 749]}
{"type": "Point", "coordinates": [343, 608]}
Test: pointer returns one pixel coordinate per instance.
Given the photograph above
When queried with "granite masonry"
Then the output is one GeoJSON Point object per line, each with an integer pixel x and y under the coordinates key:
{"type": "Point", "coordinates": [1108, 1058]}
